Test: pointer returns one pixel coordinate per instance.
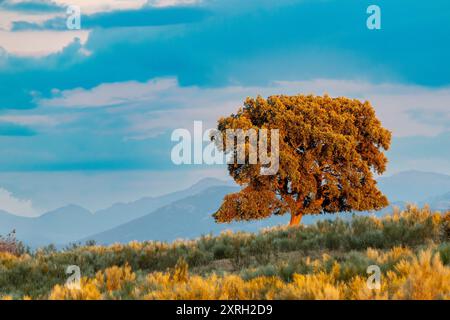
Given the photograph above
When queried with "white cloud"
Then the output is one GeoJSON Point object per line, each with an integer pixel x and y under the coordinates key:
{"type": "Point", "coordinates": [30, 120]}
{"type": "Point", "coordinates": [112, 94]}
{"type": "Point", "coordinates": [39, 43]}
{"type": "Point", "coordinates": [170, 3]}
{"type": "Point", "coordinates": [42, 122]}
{"type": "Point", "coordinates": [16, 206]}
{"type": "Point", "coordinates": [34, 43]}
{"type": "Point", "coordinates": [97, 190]}
{"type": "Point", "coordinates": [86, 6]}
{"type": "Point", "coordinates": [161, 104]}
{"type": "Point", "coordinates": [90, 6]}
{"type": "Point", "coordinates": [7, 17]}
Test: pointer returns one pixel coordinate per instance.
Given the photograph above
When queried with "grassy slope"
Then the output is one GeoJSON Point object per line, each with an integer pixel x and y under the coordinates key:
{"type": "Point", "coordinates": [325, 261]}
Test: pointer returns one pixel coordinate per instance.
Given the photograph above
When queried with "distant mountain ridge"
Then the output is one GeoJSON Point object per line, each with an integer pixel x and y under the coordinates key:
{"type": "Point", "coordinates": [441, 202]}
{"type": "Point", "coordinates": [72, 222]}
{"type": "Point", "coordinates": [187, 218]}
{"type": "Point", "coordinates": [414, 186]}
{"type": "Point", "coordinates": [69, 222]}
{"type": "Point", "coordinates": [176, 220]}
{"type": "Point", "coordinates": [187, 213]}
{"type": "Point", "coordinates": [120, 213]}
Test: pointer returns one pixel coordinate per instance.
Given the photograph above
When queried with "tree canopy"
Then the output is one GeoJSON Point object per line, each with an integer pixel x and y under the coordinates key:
{"type": "Point", "coordinates": [329, 150]}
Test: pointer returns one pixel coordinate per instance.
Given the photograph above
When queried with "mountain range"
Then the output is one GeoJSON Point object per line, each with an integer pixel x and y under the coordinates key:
{"type": "Point", "coordinates": [187, 213]}
{"type": "Point", "coordinates": [72, 222]}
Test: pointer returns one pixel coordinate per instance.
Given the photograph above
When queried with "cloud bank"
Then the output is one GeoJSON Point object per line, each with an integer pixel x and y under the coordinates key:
{"type": "Point", "coordinates": [16, 206]}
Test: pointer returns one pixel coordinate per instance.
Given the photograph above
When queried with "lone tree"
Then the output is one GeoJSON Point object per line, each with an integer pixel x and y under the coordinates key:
{"type": "Point", "coordinates": [329, 150]}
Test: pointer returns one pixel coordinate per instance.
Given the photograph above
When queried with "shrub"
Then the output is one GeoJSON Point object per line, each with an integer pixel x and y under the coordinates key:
{"type": "Point", "coordinates": [10, 244]}
{"type": "Point", "coordinates": [330, 256]}
{"type": "Point", "coordinates": [222, 251]}
{"type": "Point", "coordinates": [444, 251]}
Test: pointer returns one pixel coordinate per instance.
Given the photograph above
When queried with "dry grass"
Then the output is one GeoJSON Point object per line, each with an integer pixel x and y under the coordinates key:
{"type": "Point", "coordinates": [325, 261]}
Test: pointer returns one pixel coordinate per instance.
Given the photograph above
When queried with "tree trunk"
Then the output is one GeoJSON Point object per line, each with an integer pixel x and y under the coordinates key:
{"type": "Point", "coordinates": [295, 219]}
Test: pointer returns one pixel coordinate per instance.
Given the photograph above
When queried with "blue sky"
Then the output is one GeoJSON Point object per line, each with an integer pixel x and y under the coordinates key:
{"type": "Point", "coordinates": [94, 108]}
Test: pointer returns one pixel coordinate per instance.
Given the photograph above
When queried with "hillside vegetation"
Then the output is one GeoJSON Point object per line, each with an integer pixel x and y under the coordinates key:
{"type": "Point", "coordinates": [327, 260]}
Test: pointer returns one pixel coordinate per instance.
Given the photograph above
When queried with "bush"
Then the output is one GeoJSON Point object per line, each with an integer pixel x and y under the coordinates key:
{"type": "Point", "coordinates": [10, 244]}
{"type": "Point", "coordinates": [222, 251]}
{"type": "Point", "coordinates": [444, 252]}
{"type": "Point", "coordinates": [331, 256]}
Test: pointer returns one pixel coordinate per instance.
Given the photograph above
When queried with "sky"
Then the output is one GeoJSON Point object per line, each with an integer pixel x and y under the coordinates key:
{"type": "Point", "coordinates": [86, 115]}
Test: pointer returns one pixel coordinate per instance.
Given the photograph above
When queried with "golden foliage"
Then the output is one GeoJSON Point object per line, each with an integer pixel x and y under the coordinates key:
{"type": "Point", "coordinates": [327, 260]}
{"type": "Point", "coordinates": [106, 282]}
{"type": "Point", "coordinates": [114, 278]}
{"type": "Point", "coordinates": [413, 277]}
{"type": "Point", "coordinates": [328, 150]}
{"type": "Point", "coordinates": [88, 291]}
{"type": "Point", "coordinates": [423, 278]}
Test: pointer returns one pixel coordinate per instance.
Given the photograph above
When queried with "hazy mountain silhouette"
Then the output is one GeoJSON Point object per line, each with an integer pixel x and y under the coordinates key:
{"type": "Point", "coordinates": [186, 218]}
{"type": "Point", "coordinates": [191, 217]}
{"type": "Point", "coordinates": [441, 202]}
{"type": "Point", "coordinates": [187, 213]}
{"type": "Point", "coordinates": [58, 226]}
{"type": "Point", "coordinates": [414, 186]}
{"type": "Point", "coordinates": [72, 222]}
{"type": "Point", "coordinates": [120, 213]}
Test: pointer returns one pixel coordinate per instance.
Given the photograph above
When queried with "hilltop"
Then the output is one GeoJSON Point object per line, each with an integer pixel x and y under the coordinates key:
{"type": "Point", "coordinates": [326, 260]}
{"type": "Point", "coordinates": [153, 218]}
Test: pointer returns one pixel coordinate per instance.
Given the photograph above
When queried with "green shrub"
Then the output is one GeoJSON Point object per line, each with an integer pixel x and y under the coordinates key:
{"type": "Point", "coordinates": [444, 251]}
